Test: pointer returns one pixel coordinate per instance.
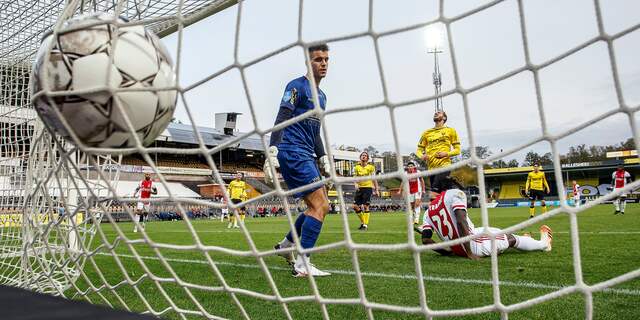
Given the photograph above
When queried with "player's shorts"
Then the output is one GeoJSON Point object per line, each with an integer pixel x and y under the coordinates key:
{"type": "Point", "coordinates": [622, 195]}
{"type": "Point", "coordinates": [363, 196]}
{"type": "Point", "coordinates": [236, 201]}
{"type": "Point", "coordinates": [298, 170]}
{"type": "Point", "coordinates": [482, 246]}
{"type": "Point", "coordinates": [435, 182]}
{"type": "Point", "coordinates": [143, 206]}
{"type": "Point", "coordinates": [415, 196]}
{"type": "Point", "coordinates": [536, 195]}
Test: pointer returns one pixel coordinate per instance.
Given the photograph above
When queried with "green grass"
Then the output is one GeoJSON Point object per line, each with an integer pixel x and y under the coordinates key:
{"type": "Point", "coordinates": [608, 247]}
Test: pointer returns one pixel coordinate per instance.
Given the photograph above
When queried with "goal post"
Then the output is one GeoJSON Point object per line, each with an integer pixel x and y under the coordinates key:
{"type": "Point", "coordinates": [58, 234]}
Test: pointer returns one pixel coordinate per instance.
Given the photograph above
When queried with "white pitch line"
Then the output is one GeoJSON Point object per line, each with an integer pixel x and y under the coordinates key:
{"type": "Point", "coordinates": [366, 232]}
{"type": "Point", "coordinates": [521, 284]}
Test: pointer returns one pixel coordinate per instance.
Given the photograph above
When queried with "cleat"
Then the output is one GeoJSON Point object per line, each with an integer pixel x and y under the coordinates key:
{"type": "Point", "coordinates": [616, 212]}
{"type": "Point", "coordinates": [361, 227]}
{"type": "Point", "coordinates": [300, 269]}
{"type": "Point", "coordinates": [546, 236]}
{"type": "Point", "coordinates": [365, 227]}
{"type": "Point", "coordinates": [288, 256]}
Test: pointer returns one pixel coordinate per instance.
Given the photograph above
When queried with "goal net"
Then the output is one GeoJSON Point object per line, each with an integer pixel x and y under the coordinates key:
{"type": "Point", "coordinates": [59, 233]}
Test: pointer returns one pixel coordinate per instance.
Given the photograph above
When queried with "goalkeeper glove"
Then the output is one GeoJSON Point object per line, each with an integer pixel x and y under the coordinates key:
{"type": "Point", "coordinates": [272, 154]}
{"type": "Point", "coordinates": [325, 165]}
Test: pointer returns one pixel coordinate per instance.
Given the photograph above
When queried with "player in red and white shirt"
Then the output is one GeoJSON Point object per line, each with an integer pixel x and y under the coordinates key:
{"type": "Point", "coordinates": [447, 217]}
{"type": "Point", "coordinates": [619, 180]}
{"type": "Point", "coordinates": [576, 193]}
{"type": "Point", "coordinates": [146, 189]}
{"type": "Point", "coordinates": [416, 190]}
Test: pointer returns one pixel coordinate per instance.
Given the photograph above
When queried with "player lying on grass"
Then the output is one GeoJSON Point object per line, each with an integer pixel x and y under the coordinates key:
{"type": "Point", "coordinates": [447, 217]}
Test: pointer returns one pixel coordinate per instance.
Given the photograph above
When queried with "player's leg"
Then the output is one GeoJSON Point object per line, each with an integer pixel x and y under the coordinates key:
{"type": "Point", "coordinates": [243, 213]}
{"type": "Point", "coordinates": [623, 203]}
{"type": "Point", "coordinates": [357, 207]}
{"type": "Point", "coordinates": [543, 204]}
{"type": "Point", "coordinates": [577, 202]}
{"type": "Point", "coordinates": [616, 204]}
{"type": "Point", "coordinates": [366, 201]}
{"type": "Point", "coordinates": [417, 208]}
{"type": "Point", "coordinates": [527, 243]}
{"type": "Point", "coordinates": [318, 207]}
{"type": "Point", "coordinates": [532, 206]}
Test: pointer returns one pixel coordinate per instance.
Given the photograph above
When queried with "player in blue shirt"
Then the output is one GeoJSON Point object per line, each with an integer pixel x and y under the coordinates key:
{"type": "Point", "coordinates": [294, 150]}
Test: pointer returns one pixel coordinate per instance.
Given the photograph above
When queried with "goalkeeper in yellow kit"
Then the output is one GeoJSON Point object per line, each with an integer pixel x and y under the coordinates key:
{"type": "Point", "coordinates": [535, 188]}
{"type": "Point", "coordinates": [436, 147]}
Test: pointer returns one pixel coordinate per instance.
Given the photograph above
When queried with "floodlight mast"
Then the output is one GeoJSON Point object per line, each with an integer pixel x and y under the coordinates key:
{"type": "Point", "coordinates": [437, 78]}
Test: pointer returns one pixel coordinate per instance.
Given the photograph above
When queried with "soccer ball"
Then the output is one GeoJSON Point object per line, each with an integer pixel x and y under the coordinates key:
{"type": "Point", "coordinates": [87, 62]}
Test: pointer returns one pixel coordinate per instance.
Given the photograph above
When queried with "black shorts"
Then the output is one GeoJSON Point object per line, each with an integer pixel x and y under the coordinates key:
{"type": "Point", "coordinates": [236, 201]}
{"type": "Point", "coordinates": [363, 196]}
{"type": "Point", "coordinates": [536, 195]}
{"type": "Point", "coordinates": [435, 182]}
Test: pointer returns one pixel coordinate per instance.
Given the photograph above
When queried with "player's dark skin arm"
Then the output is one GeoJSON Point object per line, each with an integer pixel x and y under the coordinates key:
{"type": "Point", "coordinates": [427, 235]}
{"type": "Point", "coordinates": [465, 230]}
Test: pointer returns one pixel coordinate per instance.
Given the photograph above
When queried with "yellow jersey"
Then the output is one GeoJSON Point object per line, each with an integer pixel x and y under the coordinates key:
{"type": "Point", "coordinates": [366, 170]}
{"type": "Point", "coordinates": [536, 181]}
{"type": "Point", "coordinates": [236, 189]}
{"type": "Point", "coordinates": [434, 140]}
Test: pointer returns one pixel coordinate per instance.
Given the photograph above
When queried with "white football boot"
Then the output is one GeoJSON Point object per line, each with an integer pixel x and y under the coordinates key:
{"type": "Point", "coordinates": [288, 256]}
{"type": "Point", "coordinates": [300, 269]}
{"type": "Point", "coordinates": [546, 236]}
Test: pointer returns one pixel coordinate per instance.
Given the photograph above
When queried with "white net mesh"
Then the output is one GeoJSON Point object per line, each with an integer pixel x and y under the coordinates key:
{"type": "Point", "coordinates": [54, 197]}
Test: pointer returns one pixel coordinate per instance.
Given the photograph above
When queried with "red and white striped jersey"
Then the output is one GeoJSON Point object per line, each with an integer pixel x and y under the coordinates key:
{"type": "Point", "coordinates": [620, 178]}
{"type": "Point", "coordinates": [145, 189]}
{"type": "Point", "coordinates": [415, 185]}
{"type": "Point", "coordinates": [441, 219]}
{"type": "Point", "coordinates": [576, 190]}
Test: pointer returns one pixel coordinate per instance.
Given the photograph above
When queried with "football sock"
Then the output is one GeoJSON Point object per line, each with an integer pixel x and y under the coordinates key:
{"type": "Point", "coordinates": [529, 244]}
{"type": "Point", "coordinates": [623, 205]}
{"type": "Point", "coordinates": [532, 211]}
{"type": "Point", "coordinates": [416, 213]}
{"type": "Point", "coordinates": [544, 208]}
{"type": "Point", "coordinates": [617, 204]}
{"type": "Point", "coordinates": [366, 215]}
{"type": "Point", "coordinates": [359, 214]}
{"type": "Point", "coordinates": [298, 224]}
{"type": "Point", "coordinates": [310, 231]}
{"type": "Point", "coordinates": [242, 217]}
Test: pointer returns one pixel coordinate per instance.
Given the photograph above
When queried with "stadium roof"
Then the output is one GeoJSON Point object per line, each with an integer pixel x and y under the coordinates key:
{"type": "Point", "coordinates": [183, 133]}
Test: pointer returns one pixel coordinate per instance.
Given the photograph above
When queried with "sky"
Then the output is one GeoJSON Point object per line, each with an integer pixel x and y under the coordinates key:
{"type": "Point", "coordinates": [504, 116]}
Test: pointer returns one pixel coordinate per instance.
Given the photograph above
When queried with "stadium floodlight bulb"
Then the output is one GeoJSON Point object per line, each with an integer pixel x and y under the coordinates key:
{"type": "Point", "coordinates": [434, 37]}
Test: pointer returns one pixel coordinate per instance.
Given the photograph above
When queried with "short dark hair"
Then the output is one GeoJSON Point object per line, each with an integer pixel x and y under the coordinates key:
{"type": "Point", "coordinates": [318, 47]}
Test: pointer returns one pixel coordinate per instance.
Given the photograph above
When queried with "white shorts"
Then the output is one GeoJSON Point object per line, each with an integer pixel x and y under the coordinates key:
{"type": "Point", "coordinates": [143, 206]}
{"type": "Point", "coordinates": [415, 196]}
{"type": "Point", "coordinates": [482, 246]}
{"type": "Point", "coordinates": [622, 195]}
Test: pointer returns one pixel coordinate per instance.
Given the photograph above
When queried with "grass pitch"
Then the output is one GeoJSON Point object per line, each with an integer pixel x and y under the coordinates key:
{"type": "Point", "coordinates": [608, 248]}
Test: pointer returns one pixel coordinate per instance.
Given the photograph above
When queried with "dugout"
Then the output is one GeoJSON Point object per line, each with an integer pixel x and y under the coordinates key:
{"type": "Point", "coordinates": [506, 185]}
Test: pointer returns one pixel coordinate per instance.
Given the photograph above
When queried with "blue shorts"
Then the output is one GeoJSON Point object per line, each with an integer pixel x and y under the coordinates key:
{"type": "Point", "coordinates": [298, 170]}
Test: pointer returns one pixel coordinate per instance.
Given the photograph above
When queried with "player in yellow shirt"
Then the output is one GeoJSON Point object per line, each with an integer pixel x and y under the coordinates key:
{"type": "Point", "coordinates": [364, 189]}
{"type": "Point", "coordinates": [436, 147]}
{"type": "Point", "coordinates": [237, 191]}
{"type": "Point", "coordinates": [536, 187]}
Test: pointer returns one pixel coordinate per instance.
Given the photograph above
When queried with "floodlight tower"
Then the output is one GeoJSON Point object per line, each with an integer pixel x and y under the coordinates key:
{"type": "Point", "coordinates": [434, 39]}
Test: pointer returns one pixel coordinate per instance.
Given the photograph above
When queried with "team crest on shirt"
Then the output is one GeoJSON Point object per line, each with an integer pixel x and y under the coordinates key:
{"type": "Point", "coordinates": [290, 96]}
